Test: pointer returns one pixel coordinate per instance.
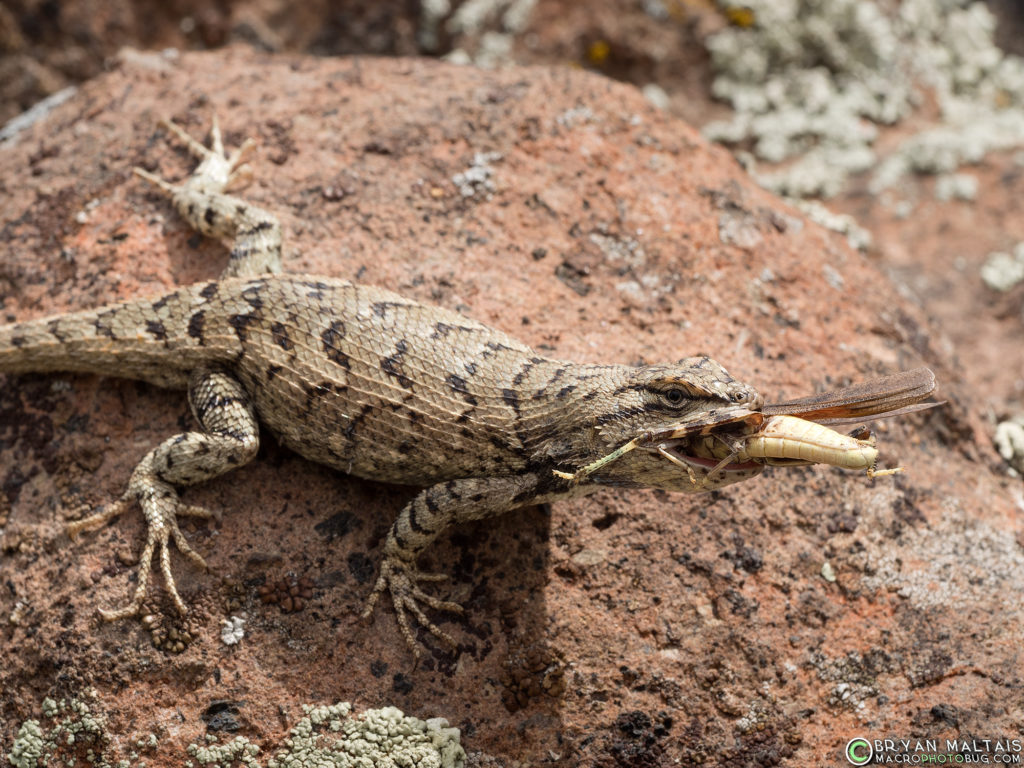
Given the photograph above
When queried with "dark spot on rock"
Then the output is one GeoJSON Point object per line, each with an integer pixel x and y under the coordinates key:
{"type": "Point", "coordinates": [401, 684]}
{"type": "Point", "coordinates": [744, 557]}
{"type": "Point", "coordinates": [362, 568]}
{"type": "Point", "coordinates": [222, 715]}
{"type": "Point", "coordinates": [338, 525]}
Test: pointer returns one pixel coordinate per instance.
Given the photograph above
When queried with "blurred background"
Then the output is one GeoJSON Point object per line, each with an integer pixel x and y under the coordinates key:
{"type": "Point", "coordinates": [900, 124]}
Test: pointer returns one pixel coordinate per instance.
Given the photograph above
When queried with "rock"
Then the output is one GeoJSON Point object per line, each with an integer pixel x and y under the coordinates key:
{"type": "Point", "coordinates": [602, 230]}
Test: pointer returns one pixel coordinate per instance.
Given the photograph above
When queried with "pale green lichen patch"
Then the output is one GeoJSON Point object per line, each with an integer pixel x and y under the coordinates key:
{"type": "Point", "coordinates": [811, 81]}
{"type": "Point", "coordinates": [238, 751]}
{"type": "Point", "coordinates": [331, 737]}
{"type": "Point", "coordinates": [1009, 439]}
{"type": "Point", "coordinates": [74, 735]}
{"type": "Point", "coordinates": [1003, 271]}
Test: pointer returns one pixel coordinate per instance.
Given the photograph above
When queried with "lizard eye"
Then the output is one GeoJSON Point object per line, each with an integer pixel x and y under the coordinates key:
{"type": "Point", "coordinates": [674, 396]}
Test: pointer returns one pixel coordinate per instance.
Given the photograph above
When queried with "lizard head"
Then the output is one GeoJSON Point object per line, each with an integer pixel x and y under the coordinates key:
{"type": "Point", "coordinates": [687, 401]}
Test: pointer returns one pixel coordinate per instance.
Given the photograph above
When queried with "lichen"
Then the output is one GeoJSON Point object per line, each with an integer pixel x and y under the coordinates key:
{"type": "Point", "coordinates": [326, 737]}
{"type": "Point", "coordinates": [232, 630]}
{"type": "Point", "coordinates": [76, 733]}
{"type": "Point", "coordinates": [487, 28]}
{"type": "Point", "coordinates": [478, 179]}
{"type": "Point", "coordinates": [1002, 271]}
{"type": "Point", "coordinates": [331, 737]}
{"type": "Point", "coordinates": [1009, 440]}
{"type": "Point", "coordinates": [811, 81]}
{"type": "Point", "coordinates": [858, 237]}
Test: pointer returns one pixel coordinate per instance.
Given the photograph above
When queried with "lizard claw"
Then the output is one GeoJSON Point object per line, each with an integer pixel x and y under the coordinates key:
{"type": "Point", "coordinates": [161, 508]}
{"type": "Point", "coordinates": [217, 171]}
{"type": "Point", "coordinates": [400, 579]}
{"type": "Point", "coordinates": [203, 202]}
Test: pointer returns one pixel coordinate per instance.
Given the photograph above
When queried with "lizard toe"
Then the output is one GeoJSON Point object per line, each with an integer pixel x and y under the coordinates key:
{"type": "Point", "coordinates": [161, 508]}
{"type": "Point", "coordinates": [400, 579]}
{"type": "Point", "coordinates": [410, 602]}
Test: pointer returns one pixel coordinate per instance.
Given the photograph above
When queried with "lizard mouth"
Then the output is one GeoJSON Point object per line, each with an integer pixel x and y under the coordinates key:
{"type": "Point", "coordinates": [699, 462]}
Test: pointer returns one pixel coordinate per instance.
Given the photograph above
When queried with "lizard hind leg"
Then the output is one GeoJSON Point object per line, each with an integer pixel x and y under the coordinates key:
{"type": "Point", "coordinates": [419, 523]}
{"type": "Point", "coordinates": [230, 438]}
{"type": "Point", "coordinates": [254, 234]}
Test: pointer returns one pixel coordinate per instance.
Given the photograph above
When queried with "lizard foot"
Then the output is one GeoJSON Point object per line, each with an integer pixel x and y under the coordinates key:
{"type": "Point", "coordinates": [400, 578]}
{"type": "Point", "coordinates": [161, 508]}
{"type": "Point", "coordinates": [217, 169]}
{"type": "Point", "coordinates": [201, 199]}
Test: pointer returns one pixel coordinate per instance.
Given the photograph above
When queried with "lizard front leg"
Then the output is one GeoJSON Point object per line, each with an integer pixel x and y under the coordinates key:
{"type": "Point", "coordinates": [254, 233]}
{"type": "Point", "coordinates": [229, 439]}
{"type": "Point", "coordinates": [420, 522]}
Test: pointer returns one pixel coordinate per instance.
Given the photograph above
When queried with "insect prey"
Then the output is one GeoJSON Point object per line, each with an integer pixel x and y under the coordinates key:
{"type": "Point", "coordinates": [786, 434]}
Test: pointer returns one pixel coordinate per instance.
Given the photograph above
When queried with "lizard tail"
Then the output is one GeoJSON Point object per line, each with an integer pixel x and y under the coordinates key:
{"type": "Point", "coordinates": [145, 339]}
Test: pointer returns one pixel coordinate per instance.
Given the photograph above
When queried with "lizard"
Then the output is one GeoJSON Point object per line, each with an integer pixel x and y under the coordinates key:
{"type": "Point", "coordinates": [367, 382]}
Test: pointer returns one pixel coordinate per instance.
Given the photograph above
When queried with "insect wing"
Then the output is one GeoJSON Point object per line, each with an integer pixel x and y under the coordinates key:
{"type": "Point", "coordinates": [892, 395]}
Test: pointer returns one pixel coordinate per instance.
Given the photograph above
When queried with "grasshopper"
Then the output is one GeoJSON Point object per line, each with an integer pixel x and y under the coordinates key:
{"type": "Point", "coordinates": [785, 434]}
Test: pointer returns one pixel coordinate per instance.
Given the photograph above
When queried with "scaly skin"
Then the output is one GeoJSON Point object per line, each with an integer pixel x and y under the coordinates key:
{"type": "Point", "coordinates": [365, 381]}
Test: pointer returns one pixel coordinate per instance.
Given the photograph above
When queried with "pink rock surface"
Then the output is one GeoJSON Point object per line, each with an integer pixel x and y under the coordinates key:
{"type": "Point", "coordinates": [627, 628]}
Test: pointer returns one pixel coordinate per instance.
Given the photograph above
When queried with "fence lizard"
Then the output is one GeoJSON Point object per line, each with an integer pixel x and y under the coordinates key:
{"type": "Point", "coordinates": [368, 382]}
